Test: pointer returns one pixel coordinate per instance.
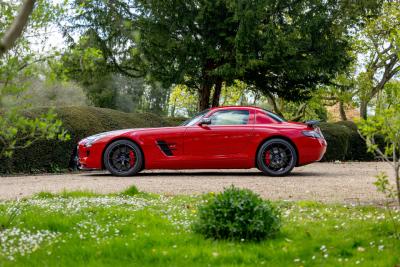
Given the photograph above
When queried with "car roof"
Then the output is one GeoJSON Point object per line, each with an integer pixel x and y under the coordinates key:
{"type": "Point", "coordinates": [240, 107]}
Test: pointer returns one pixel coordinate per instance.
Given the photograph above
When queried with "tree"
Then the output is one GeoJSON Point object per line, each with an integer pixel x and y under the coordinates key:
{"type": "Point", "coordinates": [340, 91]}
{"type": "Point", "coordinates": [379, 46]}
{"type": "Point", "coordinates": [386, 123]}
{"type": "Point", "coordinates": [17, 130]}
{"type": "Point", "coordinates": [88, 63]}
{"type": "Point", "coordinates": [281, 47]}
{"type": "Point", "coordinates": [16, 28]}
{"type": "Point", "coordinates": [296, 47]}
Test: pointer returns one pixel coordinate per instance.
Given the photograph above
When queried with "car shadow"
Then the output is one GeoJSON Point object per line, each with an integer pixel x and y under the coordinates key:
{"type": "Point", "coordinates": [201, 174]}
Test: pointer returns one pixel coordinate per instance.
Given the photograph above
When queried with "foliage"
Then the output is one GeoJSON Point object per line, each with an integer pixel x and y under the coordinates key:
{"type": "Point", "coordinates": [337, 136]}
{"type": "Point", "coordinates": [384, 186]}
{"type": "Point", "coordinates": [17, 130]}
{"type": "Point", "coordinates": [131, 191]}
{"type": "Point", "coordinates": [182, 101]}
{"type": "Point", "coordinates": [341, 90]}
{"type": "Point", "coordinates": [386, 123]}
{"type": "Point", "coordinates": [238, 214]}
{"type": "Point", "coordinates": [344, 142]}
{"type": "Point", "coordinates": [80, 122]}
{"type": "Point", "coordinates": [379, 45]}
{"type": "Point", "coordinates": [281, 47]}
{"type": "Point", "coordinates": [390, 96]}
{"type": "Point", "coordinates": [238, 93]}
{"type": "Point", "coordinates": [77, 229]}
{"type": "Point", "coordinates": [311, 109]}
{"type": "Point", "coordinates": [357, 148]}
{"type": "Point", "coordinates": [375, 50]}
{"type": "Point", "coordinates": [48, 92]}
{"type": "Point", "coordinates": [86, 63]}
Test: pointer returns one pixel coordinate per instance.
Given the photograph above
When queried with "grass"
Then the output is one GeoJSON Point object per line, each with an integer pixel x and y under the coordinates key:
{"type": "Point", "coordinates": [85, 229]}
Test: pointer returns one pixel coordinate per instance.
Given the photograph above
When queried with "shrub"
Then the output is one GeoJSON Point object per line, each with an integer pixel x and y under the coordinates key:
{"type": "Point", "coordinates": [344, 142]}
{"type": "Point", "coordinates": [357, 148]}
{"type": "Point", "coordinates": [237, 214]}
{"type": "Point", "coordinates": [337, 136]}
{"type": "Point", "coordinates": [50, 156]}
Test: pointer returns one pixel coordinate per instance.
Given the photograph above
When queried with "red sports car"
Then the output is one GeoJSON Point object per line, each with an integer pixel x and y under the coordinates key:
{"type": "Point", "coordinates": [217, 138]}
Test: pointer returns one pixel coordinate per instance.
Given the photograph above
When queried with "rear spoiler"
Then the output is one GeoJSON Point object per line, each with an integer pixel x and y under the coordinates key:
{"type": "Point", "coordinates": [312, 123]}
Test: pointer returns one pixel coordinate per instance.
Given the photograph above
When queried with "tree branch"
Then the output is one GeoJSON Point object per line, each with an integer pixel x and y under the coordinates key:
{"type": "Point", "coordinates": [301, 112]}
{"type": "Point", "coordinates": [17, 26]}
{"type": "Point", "coordinates": [272, 101]}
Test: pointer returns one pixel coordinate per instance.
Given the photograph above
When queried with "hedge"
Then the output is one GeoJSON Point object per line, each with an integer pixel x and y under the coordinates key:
{"type": "Point", "coordinates": [344, 143]}
{"type": "Point", "coordinates": [53, 156]}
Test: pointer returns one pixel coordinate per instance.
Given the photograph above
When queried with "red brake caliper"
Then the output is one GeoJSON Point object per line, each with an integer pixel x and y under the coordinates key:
{"type": "Point", "coordinates": [268, 157]}
{"type": "Point", "coordinates": [132, 158]}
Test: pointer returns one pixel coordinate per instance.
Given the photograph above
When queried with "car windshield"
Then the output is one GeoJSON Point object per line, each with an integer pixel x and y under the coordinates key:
{"type": "Point", "coordinates": [195, 119]}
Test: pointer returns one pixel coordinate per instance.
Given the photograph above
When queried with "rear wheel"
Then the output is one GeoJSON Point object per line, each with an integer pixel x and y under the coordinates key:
{"type": "Point", "coordinates": [123, 158]}
{"type": "Point", "coordinates": [276, 157]}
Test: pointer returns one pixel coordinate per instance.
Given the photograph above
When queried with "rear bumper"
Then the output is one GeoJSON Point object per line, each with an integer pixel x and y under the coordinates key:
{"type": "Point", "coordinates": [311, 150]}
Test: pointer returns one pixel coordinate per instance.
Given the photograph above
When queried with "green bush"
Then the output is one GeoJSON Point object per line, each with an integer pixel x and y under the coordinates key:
{"type": "Point", "coordinates": [344, 142]}
{"type": "Point", "coordinates": [54, 156]}
{"type": "Point", "coordinates": [337, 136]}
{"type": "Point", "coordinates": [357, 148]}
{"type": "Point", "coordinates": [237, 214]}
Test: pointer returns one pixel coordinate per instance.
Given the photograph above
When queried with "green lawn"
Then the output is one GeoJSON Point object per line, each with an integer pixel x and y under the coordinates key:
{"type": "Point", "coordinates": [81, 229]}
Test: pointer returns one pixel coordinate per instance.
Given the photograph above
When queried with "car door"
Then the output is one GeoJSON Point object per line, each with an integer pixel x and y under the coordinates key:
{"type": "Point", "coordinates": [224, 142]}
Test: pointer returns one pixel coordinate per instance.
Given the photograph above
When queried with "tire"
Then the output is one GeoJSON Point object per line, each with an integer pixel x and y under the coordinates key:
{"type": "Point", "coordinates": [123, 158]}
{"type": "Point", "coordinates": [276, 157]}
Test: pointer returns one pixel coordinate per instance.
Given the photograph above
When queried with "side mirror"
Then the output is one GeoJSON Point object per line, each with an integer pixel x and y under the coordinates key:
{"type": "Point", "coordinates": [205, 121]}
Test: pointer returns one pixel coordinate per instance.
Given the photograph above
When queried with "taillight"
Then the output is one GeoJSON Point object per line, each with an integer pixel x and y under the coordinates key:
{"type": "Point", "coordinates": [313, 133]}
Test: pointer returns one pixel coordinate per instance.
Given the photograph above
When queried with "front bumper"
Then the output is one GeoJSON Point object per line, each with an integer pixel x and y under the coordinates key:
{"type": "Point", "coordinates": [90, 158]}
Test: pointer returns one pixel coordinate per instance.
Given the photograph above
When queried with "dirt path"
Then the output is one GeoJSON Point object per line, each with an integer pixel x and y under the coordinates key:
{"type": "Point", "coordinates": [327, 182]}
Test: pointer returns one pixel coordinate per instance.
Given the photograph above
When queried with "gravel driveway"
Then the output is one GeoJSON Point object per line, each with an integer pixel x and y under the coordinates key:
{"type": "Point", "coordinates": [327, 182]}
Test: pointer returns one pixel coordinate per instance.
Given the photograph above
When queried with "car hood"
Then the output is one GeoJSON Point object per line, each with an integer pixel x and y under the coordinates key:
{"type": "Point", "coordinates": [111, 134]}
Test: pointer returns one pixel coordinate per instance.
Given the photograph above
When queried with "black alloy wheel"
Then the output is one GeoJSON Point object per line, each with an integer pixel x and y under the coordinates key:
{"type": "Point", "coordinates": [123, 158]}
{"type": "Point", "coordinates": [276, 157]}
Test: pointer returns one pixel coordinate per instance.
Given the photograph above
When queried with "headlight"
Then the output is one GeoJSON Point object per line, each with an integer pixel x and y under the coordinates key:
{"type": "Point", "coordinates": [89, 141]}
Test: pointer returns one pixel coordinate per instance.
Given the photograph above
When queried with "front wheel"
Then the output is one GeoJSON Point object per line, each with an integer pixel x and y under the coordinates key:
{"type": "Point", "coordinates": [276, 157]}
{"type": "Point", "coordinates": [123, 158]}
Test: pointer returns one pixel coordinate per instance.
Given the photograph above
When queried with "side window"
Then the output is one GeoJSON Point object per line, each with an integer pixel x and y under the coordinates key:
{"type": "Point", "coordinates": [230, 117]}
{"type": "Point", "coordinates": [263, 118]}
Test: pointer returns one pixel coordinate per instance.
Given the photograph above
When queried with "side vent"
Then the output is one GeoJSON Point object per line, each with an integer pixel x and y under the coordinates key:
{"type": "Point", "coordinates": [164, 148]}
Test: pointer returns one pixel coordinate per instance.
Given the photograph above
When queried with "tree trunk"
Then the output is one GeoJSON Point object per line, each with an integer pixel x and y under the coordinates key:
{"type": "Point", "coordinates": [397, 177]}
{"type": "Point", "coordinates": [301, 112]}
{"type": "Point", "coordinates": [217, 93]}
{"type": "Point", "coordinates": [272, 101]}
{"type": "Point", "coordinates": [173, 106]}
{"type": "Point", "coordinates": [204, 95]}
{"type": "Point", "coordinates": [256, 97]}
{"type": "Point", "coordinates": [363, 109]}
{"type": "Point", "coordinates": [342, 112]}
